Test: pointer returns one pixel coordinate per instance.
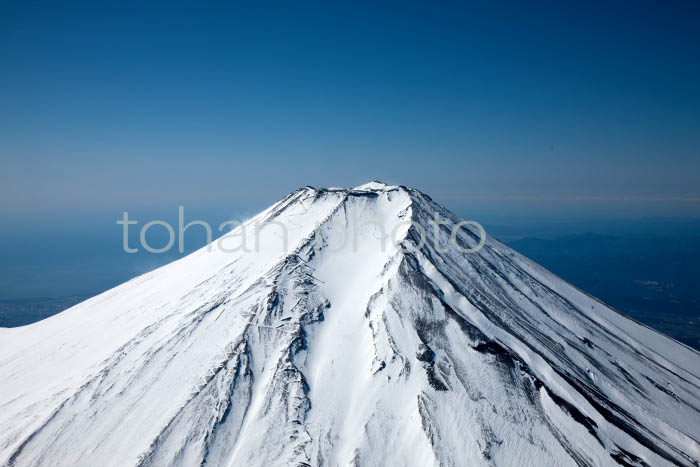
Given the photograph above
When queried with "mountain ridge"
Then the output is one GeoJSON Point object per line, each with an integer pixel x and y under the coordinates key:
{"type": "Point", "coordinates": [372, 353]}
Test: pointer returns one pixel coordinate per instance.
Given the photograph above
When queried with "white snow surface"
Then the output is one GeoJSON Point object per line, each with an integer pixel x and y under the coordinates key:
{"type": "Point", "coordinates": [338, 349]}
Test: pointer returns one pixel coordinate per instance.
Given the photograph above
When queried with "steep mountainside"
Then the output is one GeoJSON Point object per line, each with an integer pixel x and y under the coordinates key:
{"type": "Point", "coordinates": [339, 348]}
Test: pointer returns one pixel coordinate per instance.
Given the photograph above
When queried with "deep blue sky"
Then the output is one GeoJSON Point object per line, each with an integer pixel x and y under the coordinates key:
{"type": "Point", "coordinates": [504, 105]}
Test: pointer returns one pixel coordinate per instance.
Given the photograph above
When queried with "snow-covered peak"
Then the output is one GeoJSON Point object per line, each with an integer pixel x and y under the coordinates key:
{"type": "Point", "coordinates": [375, 186]}
{"type": "Point", "coordinates": [316, 340]}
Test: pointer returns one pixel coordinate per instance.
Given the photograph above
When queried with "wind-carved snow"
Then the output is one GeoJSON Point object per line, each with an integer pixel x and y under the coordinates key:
{"type": "Point", "coordinates": [341, 349]}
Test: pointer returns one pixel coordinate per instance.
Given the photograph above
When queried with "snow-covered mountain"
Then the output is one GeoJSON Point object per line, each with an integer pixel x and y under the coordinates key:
{"type": "Point", "coordinates": [342, 351]}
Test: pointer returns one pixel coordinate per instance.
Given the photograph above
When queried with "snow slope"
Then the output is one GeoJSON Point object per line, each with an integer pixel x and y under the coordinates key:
{"type": "Point", "coordinates": [340, 349]}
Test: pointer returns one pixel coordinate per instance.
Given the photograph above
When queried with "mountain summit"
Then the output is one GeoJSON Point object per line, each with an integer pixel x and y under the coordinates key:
{"type": "Point", "coordinates": [351, 327]}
